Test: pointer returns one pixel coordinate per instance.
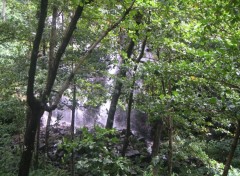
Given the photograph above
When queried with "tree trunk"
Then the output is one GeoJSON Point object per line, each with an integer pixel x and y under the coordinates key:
{"type": "Point", "coordinates": [130, 99]}
{"type": "Point", "coordinates": [85, 56]}
{"type": "Point", "coordinates": [114, 101]}
{"type": "Point", "coordinates": [29, 138]}
{"type": "Point", "coordinates": [128, 131]}
{"type": "Point", "coordinates": [170, 145]}
{"type": "Point", "coordinates": [54, 63]}
{"type": "Point", "coordinates": [157, 130]}
{"type": "Point", "coordinates": [170, 131]}
{"type": "Point", "coordinates": [232, 150]}
{"type": "Point", "coordinates": [36, 157]}
{"type": "Point", "coordinates": [118, 87]}
{"type": "Point", "coordinates": [53, 44]}
{"type": "Point", "coordinates": [47, 133]}
{"type": "Point", "coordinates": [72, 128]}
{"type": "Point", "coordinates": [35, 106]}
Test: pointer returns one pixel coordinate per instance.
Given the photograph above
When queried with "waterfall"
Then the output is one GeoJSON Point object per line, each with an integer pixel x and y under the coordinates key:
{"type": "Point", "coordinates": [89, 116]}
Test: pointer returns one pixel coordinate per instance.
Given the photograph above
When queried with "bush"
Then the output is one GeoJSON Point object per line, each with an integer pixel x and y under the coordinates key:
{"type": "Point", "coordinates": [9, 159]}
{"type": "Point", "coordinates": [12, 116]}
{"type": "Point", "coordinates": [96, 153]}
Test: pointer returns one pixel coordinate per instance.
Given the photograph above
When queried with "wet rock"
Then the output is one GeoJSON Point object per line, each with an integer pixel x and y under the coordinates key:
{"type": "Point", "coordinates": [78, 132]}
{"type": "Point", "coordinates": [141, 139]}
{"type": "Point", "coordinates": [124, 132]}
{"type": "Point", "coordinates": [60, 153]}
{"type": "Point", "coordinates": [132, 153]}
{"type": "Point", "coordinates": [42, 146]}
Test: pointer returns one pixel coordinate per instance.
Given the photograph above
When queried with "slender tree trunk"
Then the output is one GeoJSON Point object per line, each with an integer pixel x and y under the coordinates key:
{"type": "Point", "coordinates": [53, 44]}
{"type": "Point", "coordinates": [36, 157]}
{"type": "Point", "coordinates": [157, 130]}
{"type": "Point", "coordinates": [114, 101]}
{"type": "Point", "coordinates": [54, 63]}
{"type": "Point", "coordinates": [170, 132]}
{"type": "Point", "coordinates": [72, 128]}
{"type": "Point", "coordinates": [130, 99]}
{"type": "Point", "coordinates": [47, 133]}
{"type": "Point", "coordinates": [232, 150]}
{"type": "Point", "coordinates": [128, 131]}
{"type": "Point", "coordinates": [118, 87]}
{"type": "Point", "coordinates": [157, 134]}
{"type": "Point", "coordinates": [170, 145]}
{"type": "Point", "coordinates": [44, 47]}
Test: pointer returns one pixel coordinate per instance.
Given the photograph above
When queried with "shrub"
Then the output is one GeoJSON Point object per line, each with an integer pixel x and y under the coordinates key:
{"type": "Point", "coordinates": [96, 153]}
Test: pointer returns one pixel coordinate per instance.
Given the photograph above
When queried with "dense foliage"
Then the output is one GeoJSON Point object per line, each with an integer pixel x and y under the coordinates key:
{"type": "Point", "coordinates": [177, 62]}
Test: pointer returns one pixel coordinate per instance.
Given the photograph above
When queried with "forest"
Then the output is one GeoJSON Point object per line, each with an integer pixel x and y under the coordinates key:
{"type": "Point", "coordinates": [119, 87]}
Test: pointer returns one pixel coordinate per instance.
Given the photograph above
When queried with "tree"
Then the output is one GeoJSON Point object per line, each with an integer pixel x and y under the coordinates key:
{"type": "Point", "coordinates": [38, 105]}
{"type": "Point", "coordinates": [123, 70]}
{"type": "Point", "coordinates": [188, 87]}
{"type": "Point", "coordinates": [130, 98]}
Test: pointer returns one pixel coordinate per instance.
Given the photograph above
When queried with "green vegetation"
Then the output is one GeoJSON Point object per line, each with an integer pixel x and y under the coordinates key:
{"type": "Point", "coordinates": [176, 61]}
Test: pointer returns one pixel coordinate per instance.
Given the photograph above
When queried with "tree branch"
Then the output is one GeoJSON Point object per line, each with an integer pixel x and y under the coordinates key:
{"type": "Point", "coordinates": [55, 63]}
{"type": "Point", "coordinates": [36, 44]}
{"type": "Point", "coordinates": [87, 54]}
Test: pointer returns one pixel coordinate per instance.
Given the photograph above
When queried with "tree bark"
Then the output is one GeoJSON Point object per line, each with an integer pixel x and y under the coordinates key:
{"type": "Point", "coordinates": [53, 39]}
{"type": "Point", "coordinates": [118, 88]}
{"type": "Point", "coordinates": [170, 132]}
{"type": "Point", "coordinates": [53, 44]}
{"type": "Point", "coordinates": [36, 157]}
{"type": "Point", "coordinates": [72, 127]}
{"type": "Point", "coordinates": [232, 150]}
{"type": "Point", "coordinates": [36, 108]}
{"type": "Point", "coordinates": [170, 145]}
{"type": "Point", "coordinates": [130, 98]}
{"type": "Point", "coordinates": [30, 133]}
{"type": "Point", "coordinates": [47, 133]}
{"type": "Point", "coordinates": [157, 130]}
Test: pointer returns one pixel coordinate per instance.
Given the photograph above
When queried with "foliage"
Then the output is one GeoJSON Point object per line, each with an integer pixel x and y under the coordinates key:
{"type": "Point", "coordinates": [190, 71]}
{"type": "Point", "coordinates": [12, 113]}
{"type": "Point", "coordinates": [10, 153]}
{"type": "Point", "coordinates": [48, 170]}
{"type": "Point", "coordinates": [193, 157]}
{"type": "Point", "coordinates": [96, 154]}
{"type": "Point", "coordinates": [219, 149]}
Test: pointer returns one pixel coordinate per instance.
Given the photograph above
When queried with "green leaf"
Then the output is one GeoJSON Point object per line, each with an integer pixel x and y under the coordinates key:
{"type": "Point", "coordinates": [175, 93]}
{"type": "Point", "coordinates": [161, 96]}
{"type": "Point", "coordinates": [213, 100]}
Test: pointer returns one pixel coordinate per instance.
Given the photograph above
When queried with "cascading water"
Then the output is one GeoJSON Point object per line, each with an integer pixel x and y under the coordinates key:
{"type": "Point", "coordinates": [89, 116]}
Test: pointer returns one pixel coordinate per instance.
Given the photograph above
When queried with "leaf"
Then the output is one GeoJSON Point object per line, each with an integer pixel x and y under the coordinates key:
{"type": "Point", "coordinates": [175, 93]}
{"type": "Point", "coordinates": [161, 96]}
{"type": "Point", "coordinates": [213, 100]}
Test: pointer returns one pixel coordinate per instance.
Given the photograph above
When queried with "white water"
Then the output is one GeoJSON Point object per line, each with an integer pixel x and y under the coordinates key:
{"type": "Point", "coordinates": [91, 116]}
